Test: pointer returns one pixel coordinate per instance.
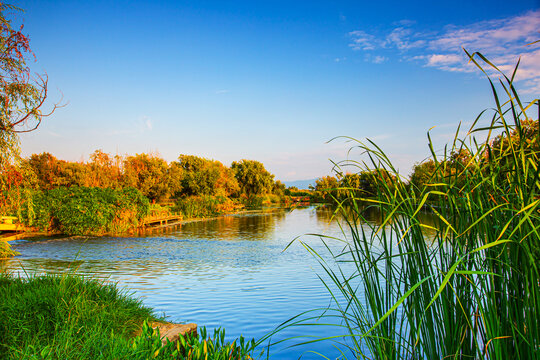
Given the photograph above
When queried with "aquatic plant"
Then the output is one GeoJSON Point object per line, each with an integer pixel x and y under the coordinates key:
{"type": "Point", "coordinates": [468, 288]}
{"type": "Point", "coordinates": [5, 250]}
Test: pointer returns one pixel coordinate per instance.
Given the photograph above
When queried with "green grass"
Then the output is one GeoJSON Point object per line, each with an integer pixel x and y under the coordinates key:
{"type": "Point", "coordinates": [66, 317]}
{"type": "Point", "coordinates": [71, 317]}
{"type": "Point", "coordinates": [467, 288]}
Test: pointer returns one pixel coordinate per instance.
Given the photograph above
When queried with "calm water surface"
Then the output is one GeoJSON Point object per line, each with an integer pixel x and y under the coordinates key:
{"type": "Point", "coordinates": [228, 272]}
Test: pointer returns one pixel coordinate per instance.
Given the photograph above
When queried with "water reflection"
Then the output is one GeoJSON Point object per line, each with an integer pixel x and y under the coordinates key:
{"type": "Point", "coordinates": [372, 216]}
{"type": "Point", "coordinates": [230, 271]}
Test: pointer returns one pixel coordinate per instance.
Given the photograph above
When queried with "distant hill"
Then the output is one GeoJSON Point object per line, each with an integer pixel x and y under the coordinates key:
{"type": "Point", "coordinates": [301, 184]}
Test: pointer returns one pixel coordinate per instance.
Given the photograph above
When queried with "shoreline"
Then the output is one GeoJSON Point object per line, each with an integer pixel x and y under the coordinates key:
{"type": "Point", "coordinates": [137, 231]}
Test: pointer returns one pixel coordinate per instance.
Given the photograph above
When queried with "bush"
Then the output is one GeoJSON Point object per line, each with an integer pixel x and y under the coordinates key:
{"type": "Point", "coordinates": [259, 201]}
{"type": "Point", "coordinates": [205, 206]}
{"type": "Point", "coordinates": [84, 210]}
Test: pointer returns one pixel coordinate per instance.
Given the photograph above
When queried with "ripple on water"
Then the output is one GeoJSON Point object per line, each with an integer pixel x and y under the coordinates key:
{"type": "Point", "coordinates": [229, 272]}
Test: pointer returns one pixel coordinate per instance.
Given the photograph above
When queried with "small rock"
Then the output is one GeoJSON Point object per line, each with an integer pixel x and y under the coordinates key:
{"type": "Point", "coordinates": [173, 331]}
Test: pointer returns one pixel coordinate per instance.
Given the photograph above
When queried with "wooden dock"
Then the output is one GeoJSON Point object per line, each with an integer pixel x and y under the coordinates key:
{"type": "Point", "coordinates": [162, 220]}
{"type": "Point", "coordinates": [9, 223]}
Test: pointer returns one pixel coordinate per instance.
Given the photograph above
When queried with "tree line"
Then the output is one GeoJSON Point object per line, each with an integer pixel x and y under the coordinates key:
{"type": "Point", "coordinates": [113, 194]}
{"type": "Point", "coordinates": [154, 177]}
{"type": "Point", "coordinates": [454, 168]}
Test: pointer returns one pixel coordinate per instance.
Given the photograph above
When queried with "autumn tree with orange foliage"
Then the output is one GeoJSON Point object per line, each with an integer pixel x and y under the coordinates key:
{"type": "Point", "coordinates": [148, 174]}
{"type": "Point", "coordinates": [22, 98]}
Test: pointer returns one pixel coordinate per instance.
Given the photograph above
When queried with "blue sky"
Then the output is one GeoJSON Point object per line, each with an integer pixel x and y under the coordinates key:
{"type": "Point", "coordinates": [271, 81]}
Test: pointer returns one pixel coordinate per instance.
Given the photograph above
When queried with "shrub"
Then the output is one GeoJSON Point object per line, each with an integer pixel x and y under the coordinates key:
{"type": "Point", "coordinates": [84, 210]}
{"type": "Point", "coordinates": [205, 206]}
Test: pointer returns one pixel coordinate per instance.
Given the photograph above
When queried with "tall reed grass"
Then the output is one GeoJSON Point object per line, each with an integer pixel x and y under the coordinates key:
{"type": "Point", "coordinates": [468, 288]}
{"type": "Point", "coordinates": [5, 250]}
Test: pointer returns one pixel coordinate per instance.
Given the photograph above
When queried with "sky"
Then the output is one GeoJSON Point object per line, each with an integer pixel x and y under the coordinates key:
{"type": "Point", "coordinates": [272, 81]}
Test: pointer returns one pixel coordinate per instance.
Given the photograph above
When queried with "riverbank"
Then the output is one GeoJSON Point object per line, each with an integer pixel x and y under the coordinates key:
{"type": "Point", "coordinates": [72, 317]}
{"type": "Point", "coordinates": [33, 233]}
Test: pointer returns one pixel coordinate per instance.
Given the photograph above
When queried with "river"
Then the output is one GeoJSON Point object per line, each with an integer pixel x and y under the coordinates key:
{"type": "Point", "coordinates": [229, 272]}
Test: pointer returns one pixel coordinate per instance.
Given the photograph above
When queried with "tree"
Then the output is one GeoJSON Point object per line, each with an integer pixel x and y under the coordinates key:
{"type": "Point", "coordinates": [422, 174]}
{"type": "Point", "coordinates": [104, 170]}
{"type": "Point", "coordinates": [200, 175]}
{"type": "Point", "coordinates": [452, 169]}
{"type": "Point", "coordinates": [174, 179]}
{"type": "Point", "coordinates": [21, 95]}
{"type": "Point", "coordinates": [279, 188]}
{"type": "Point", "coordinates": [326, 187]}
{"type": "Point", "coordinates": [252, 177]}
{"type": "Point", "coordinates": [47, 169]}
{"type": "Point", "coordinates": [523, 138]}
{"type": "Point", "coordinates": [21, 98]}
{"type": "Point", "coordinates": [146, 173]}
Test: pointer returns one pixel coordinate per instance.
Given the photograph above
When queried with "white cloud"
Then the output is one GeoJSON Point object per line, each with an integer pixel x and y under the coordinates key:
{"type": "Point", "coordinates": [148, 124]}
{"type": "Point", "coordinates": [404, 39]}
{"type": "Point", "coordinates": [379, 59]}
{"type": "Point", "coordinates": [145, 124]}
{"type": "Point", "coordinates": [376, 59]}
{"type": "Point", "coordinates": [443, 59]}
{"type": "Point", "coordinates": [363, 41]}
{"type": "Point", "coordinates": [502, 41]}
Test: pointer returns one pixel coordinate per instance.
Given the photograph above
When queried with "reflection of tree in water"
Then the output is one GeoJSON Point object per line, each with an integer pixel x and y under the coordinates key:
{"type": "Point", "coordinates": [431, 220]}
{"type": "Point", "coordinates": [372, 215]}
{"type": "Point", "coordinates": [244, 242]}
{"type": "Point", "coordinates": [256, 226]}
{"type": "Point", "coordinates": [328, 214]}
{"type": "Point", "coordinates": [324, 215]}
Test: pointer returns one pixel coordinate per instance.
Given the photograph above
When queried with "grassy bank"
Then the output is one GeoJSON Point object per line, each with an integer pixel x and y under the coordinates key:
{"type": "Point", "coordinates": [69, 317]}
{"type": "Point", "coordinates": [66, 317]}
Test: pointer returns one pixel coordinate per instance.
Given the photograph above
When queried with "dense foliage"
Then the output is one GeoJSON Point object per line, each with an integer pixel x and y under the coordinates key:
{"type": "Point", "coordinates": [252, 177]}
{"type": "Point", "coordinates": [364, 183]}
{"type": "Point", "coordinates": [206, 206]}
{"type": "Point", "coordinates": [110, 194]}
{"type": "Point", "coordinates": [83, 210]}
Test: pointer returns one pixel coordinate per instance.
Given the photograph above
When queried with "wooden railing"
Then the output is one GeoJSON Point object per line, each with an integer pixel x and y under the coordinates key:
{"type": "Point", "coordinates": [162, 220]}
